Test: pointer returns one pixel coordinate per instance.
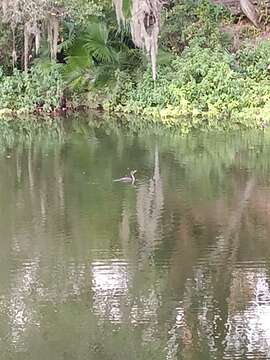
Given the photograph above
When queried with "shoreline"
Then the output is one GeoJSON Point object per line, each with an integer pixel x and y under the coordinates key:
{"type": "Point", "coordinates": [169, 117]}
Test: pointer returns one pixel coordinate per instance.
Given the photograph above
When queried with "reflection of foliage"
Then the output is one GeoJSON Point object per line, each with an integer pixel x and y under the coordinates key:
{"type": "Point", "coordinates": [15, 132]}
{"type": "Point", "coordinates": [207, 157]}
{"type": "Point", "coordinates": [169, 232]}
{"type": "Point", "coordinates": [205, 161]}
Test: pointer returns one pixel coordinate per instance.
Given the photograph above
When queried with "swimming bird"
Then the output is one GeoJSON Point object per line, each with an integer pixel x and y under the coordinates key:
{"type": "Point", "coordinates": [128, 179]}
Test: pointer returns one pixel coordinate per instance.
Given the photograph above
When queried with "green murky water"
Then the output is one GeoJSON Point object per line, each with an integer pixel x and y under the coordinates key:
{"type": "Point", "coordinates": [175, 266]}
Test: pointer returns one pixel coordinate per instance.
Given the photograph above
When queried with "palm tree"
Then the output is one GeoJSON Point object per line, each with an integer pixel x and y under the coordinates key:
{"type": "Point", "coordinates": [95, 56]}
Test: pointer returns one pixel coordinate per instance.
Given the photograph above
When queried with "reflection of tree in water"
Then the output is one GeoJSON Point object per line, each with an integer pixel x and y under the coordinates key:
{"type": "Point", "coordinates": [217, 285]}
{"type": "Point", "coordinates": [208, 287]}
{"type": "Point", "coordinates": [203, 285]}
{"type": "Point", "coordinates": [120, 279]}
{"type": "Point", "coordinates": [211, 289]}
{"type": "Point", "coordinates": [249, 314]}
{"type": "Point", "coordinates": [149, 207]}
{"type": "Point", "coordinates": [143, 306]}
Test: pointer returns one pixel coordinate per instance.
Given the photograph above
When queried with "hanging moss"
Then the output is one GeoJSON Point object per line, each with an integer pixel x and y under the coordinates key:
{"type": "Point", "coordinates": [145, 25]}
{"type": "Point", "coordinates": [53, 33]}
{"type": "Point", "coordinates": [32, 15]}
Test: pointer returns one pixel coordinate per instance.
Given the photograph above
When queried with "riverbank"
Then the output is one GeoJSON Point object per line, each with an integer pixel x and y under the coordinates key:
{"type": "Point", "coordinates": [207, 87]}
{"type": "Point", "coordinates": [213, 74]}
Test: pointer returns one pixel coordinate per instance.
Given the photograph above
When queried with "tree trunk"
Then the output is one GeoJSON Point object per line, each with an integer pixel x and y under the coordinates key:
{"type": "Point", "coordinates": [53, 33]}
{"type": "Point", "coordinates": [250, 11]}
{"type": "Point", "coordinates": [14, 53]}
{"type": "Point", "coordinates": [26, 47]}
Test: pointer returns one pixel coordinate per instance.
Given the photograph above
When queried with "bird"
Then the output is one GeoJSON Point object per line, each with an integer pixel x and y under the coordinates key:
{"type": "Point", "coordinates": [128, 179]}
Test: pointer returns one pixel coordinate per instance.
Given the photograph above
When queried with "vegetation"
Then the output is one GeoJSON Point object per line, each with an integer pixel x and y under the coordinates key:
{"type": "Point", "coordinates": [211, 73]}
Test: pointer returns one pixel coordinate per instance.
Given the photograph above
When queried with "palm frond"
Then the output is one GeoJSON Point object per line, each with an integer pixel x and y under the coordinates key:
{"type": "Point", "coordinates": [96, 42]}
{"type": "Point", "coordinates": [78, 63]}
{"type": "Point", "coordinates": [97, 55]}
{"type": "Point", "coordinates": [104, 75]}
{"type": "Point", "coordinates": [69, 29]}
{"type": "Point", "coordinates": [129, 58]}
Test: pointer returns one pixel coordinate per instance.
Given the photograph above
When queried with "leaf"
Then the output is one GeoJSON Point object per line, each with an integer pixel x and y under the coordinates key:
{"type": "Point", "coordinates": [96, 42]}
{"type": "Point", "coordinates": [104, 74]}
{"type": "Point", "coordinates": [71, 36]}
{"type": "Point", "coordinates": [77, 63]}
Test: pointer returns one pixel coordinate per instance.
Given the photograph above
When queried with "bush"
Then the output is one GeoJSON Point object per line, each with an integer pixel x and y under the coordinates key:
{"type": "Point", "coordinates": [204, 88]}
{"type": "Point", "coordinates": [41, 87]}
{"type": "Point", "coordinates": [193, 19]}
{"type": "Point", "coordinates": [254, 60]}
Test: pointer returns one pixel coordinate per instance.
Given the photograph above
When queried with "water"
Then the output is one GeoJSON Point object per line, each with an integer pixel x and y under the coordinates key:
{"type": "Point", "coordinates": [175, 266]}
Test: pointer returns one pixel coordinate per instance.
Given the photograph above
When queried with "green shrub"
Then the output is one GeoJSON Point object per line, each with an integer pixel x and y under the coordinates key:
{"type": "Point", "coordinates": [254, 60]}
{"type": "Point", "coordinates": [193, 20]}
{"type": "Point", "coordinates": [204, 88]}
{"type": "Point", "coordinates": [41, 87]}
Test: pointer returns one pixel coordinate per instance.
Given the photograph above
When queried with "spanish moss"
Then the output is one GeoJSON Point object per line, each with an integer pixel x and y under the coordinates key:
{"type": "Point", "coordinates": [145, 26]}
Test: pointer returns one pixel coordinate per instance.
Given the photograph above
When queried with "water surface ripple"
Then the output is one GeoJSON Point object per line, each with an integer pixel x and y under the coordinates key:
{"type": "Point", "coordinates": [175, 266]}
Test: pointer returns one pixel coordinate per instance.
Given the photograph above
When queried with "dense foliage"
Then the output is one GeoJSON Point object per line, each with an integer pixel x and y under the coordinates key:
{"type": "Point", "coordinates": [206, 84]}
{"type": "Point", "coordinates": [40, 88]}
{"type": "Point", "coordinates": [204, 87]}
{"type": "Point", "coordinates": [211, 72]}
